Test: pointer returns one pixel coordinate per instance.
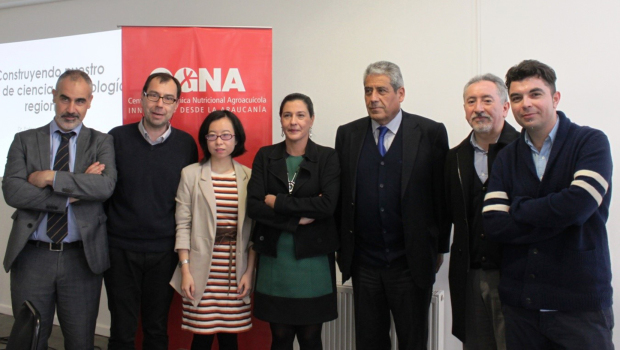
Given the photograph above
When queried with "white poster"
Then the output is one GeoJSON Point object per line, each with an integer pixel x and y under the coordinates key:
{"type": "Point", "coordinates": [29, 70]}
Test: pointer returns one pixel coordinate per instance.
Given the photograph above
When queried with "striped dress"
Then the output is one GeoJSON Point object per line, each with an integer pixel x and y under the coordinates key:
{"type": "Point", "coordinates": [220, 311]}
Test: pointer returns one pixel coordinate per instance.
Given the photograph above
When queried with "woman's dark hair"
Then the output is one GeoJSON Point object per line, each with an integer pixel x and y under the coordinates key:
{"type": "Point", "coordinates": [297, 96]}
{"type": "Point", "coordinates": [237, 129]}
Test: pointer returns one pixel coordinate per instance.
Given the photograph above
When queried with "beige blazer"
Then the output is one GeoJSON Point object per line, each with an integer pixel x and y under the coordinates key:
{"type": "Point", "coordinates": [196, 224]}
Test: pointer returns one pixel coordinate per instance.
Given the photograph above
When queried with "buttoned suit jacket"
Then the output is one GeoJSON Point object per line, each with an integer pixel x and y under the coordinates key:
{"type": "Point", "coordinates": [196, 219]}
{"type": "Point", "coordinates": [460, 177]}
{"type": "Point", "coordinates": [30, 152]}
{"type": "Point", "coordinates": [426, 228]}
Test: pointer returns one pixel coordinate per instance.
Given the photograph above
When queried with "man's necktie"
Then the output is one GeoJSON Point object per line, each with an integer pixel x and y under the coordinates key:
{"type": "Point", "coordinates": [382, 131]}
{"type": "Point", "coordinates": [57, 222]}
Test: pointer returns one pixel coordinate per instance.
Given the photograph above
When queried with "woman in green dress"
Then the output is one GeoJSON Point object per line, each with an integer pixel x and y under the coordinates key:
{"type": "Point", "coordinates": [292, 196]}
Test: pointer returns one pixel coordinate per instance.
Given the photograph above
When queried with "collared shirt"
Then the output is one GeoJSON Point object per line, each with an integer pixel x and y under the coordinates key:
{"type": "Point", "coordinates": [73, 232]}
{"type": "Point", "coordinates": [392, 130]}
{"type": "Point", "coordinates": [541, 157]}
{"type": "Point", "coordinates": [160, 139]}
{"type": "Point", "coordinates": [481, 162]}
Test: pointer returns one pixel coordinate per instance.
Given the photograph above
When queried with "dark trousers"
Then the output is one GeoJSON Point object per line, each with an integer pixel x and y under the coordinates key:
{"type": "Point", "coordinates": [485, 328]}
{"type": "Point", "coordinates": [137, 284]}
{"type": "Point", "coordinates": [538, 330]}
{"type": "Point", "coordinates": [61, 282]}
{"type": "Point", "coordinates": [376, 292]}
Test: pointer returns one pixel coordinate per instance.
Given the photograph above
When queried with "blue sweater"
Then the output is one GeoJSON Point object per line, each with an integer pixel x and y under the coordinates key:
{"type": "Point", "coordinates": [556, 252]}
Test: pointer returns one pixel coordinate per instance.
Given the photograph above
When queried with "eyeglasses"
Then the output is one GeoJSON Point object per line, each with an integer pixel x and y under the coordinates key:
{"type": "Point", "coordinates": [224, 137]}
{"type": "Point", "coordinates": [154, 97]}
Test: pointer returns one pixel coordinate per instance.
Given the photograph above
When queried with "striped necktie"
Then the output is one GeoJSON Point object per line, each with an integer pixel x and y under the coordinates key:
{"type": "Point", "coordinates": [57, 222]}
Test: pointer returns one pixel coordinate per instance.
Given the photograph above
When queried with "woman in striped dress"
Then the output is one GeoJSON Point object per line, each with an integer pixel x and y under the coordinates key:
{"type": "Point", "coordinates": [213, 231]}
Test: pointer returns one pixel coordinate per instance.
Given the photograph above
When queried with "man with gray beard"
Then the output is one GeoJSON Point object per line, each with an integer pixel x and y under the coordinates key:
{"type": "Point", "coordinates": [474, 261]}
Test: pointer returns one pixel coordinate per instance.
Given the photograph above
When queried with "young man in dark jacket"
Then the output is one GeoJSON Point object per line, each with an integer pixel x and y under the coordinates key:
{"type": "Point", "coordinates": [548, 203]}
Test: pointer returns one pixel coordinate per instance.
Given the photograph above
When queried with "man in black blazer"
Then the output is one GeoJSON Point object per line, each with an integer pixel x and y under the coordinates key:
{"type": "Point", "coordinates": [477, 318]}
{"type": "Point", "coordinates": [391, 213]}
{"type": "Point", "coordinates": [57, 177]}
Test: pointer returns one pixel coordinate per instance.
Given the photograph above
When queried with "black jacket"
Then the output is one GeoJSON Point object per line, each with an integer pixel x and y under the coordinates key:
{"type": "Point", "coordinates": [314, 196]}
{"type": "Point", "coordinates": [426, 229]}
{"type": "Point", "coordinates": [459, 179]}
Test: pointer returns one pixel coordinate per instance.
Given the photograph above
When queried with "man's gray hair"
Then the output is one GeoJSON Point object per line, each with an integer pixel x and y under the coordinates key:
{"type": "Point", "coordinates": [386, 68]}
{"type": "Point", "coordinates": [74, 75]}
{"type": "Point", "coordinates": [502, 91]}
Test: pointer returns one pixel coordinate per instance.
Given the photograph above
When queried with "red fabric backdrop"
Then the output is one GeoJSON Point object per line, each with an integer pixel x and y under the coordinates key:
{"type": "Point", "coordinates": [219, 68]}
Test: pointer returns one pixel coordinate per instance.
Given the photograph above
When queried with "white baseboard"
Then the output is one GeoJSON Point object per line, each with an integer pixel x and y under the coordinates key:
{"type": "Point", "coordinates": [102, 329]}
{"type": "Point", "coordinates": [6, 309]}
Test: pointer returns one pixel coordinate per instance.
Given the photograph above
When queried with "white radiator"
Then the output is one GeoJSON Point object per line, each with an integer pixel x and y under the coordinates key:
{"type": "Point", "coordinates": [339, 334]}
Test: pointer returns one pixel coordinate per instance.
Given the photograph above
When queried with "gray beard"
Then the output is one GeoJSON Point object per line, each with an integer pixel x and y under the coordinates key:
{"type": "Point", "coordinates": [482, 128]}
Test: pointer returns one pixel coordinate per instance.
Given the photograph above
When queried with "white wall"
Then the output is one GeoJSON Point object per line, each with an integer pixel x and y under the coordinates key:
{"type": "Point", "coordinates": [321, 48]}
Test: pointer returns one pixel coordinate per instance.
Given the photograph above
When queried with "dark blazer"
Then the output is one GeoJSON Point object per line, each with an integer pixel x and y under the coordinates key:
{"type": "Point", "coordinates": [459, 179]}
{"type": "Point", "coordinates": [314, 196]}
{"type": "Point", "coordinates": [30, 152]}
{"type": "Point", "coordinates": [426, 229]}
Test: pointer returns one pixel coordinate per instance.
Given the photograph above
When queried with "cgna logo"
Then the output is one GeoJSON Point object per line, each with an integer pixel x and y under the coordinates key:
{"type": "Point", "coordinates": [192, 81]}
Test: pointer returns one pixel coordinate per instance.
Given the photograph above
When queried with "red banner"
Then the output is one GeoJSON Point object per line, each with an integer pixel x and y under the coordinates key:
{"type": "Point", "coordinates": [219, 68]}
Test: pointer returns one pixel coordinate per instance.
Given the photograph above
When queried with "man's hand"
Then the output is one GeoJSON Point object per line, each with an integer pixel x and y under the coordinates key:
{"type": "Point", "coordinates": [305, 221]}
{"type": "Point", "coordinates": [95, 168]}
{"type": "Point", "coordinates": [42, 178]}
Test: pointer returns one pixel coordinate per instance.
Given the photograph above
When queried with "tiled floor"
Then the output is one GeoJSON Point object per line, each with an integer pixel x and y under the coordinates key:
{"type": "Point", "coordinates": [55, 342]}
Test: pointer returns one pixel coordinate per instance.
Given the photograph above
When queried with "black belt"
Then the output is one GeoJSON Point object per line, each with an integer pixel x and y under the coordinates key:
{"type": "Point", "coordinates": [57, 247]}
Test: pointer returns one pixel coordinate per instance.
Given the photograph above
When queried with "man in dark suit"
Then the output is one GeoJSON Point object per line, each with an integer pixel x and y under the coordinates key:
{"type": "Point", "coordinates": [477, 318]}
{"type": "Point", "coordinates": [391, 213]}
{"type": "Point", "coordinates": [57, 178]}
